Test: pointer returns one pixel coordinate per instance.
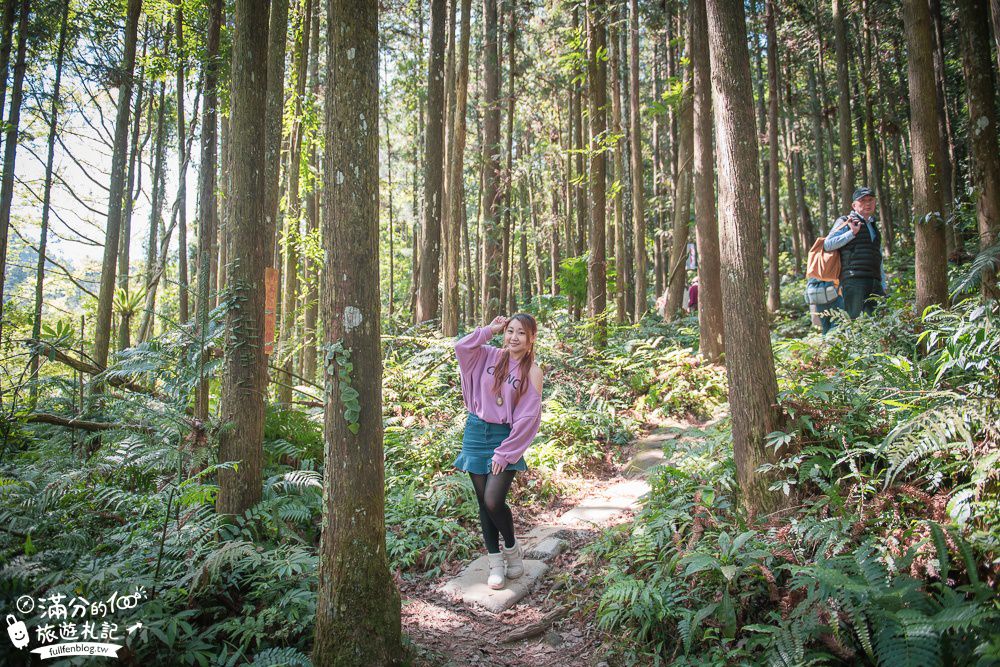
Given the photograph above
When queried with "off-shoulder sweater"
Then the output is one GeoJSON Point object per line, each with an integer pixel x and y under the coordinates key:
{"type": "Point", "coordinates": [476, 364]}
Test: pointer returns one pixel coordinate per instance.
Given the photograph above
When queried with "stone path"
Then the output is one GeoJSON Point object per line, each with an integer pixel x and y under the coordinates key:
{"type": "Point", "coordinates": [546, 541]}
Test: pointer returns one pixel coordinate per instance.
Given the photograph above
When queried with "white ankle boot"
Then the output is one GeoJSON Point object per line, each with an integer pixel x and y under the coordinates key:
{"type": "Point", "coordinates": [512, 557]}
{"type": "Point", "coordinates": [496, 578]}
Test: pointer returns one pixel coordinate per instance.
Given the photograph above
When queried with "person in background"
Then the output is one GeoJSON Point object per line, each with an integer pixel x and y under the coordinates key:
{"type": "Point", "coordinates": [859, 241]}
{"type": "Point", "coordinates": [692, 306]}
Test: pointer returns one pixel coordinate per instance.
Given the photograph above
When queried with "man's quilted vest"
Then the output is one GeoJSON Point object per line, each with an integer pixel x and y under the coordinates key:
{"type": "Point", "coordinates": [862, 256]}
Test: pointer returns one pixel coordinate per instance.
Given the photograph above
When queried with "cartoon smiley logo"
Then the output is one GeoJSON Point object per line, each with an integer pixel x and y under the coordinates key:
{"type": "Point", "coordinates": [17, 631]}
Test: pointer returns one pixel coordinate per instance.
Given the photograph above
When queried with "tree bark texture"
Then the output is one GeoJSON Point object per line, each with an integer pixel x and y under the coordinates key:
{"type": "Point", "coordinates": [980, 94]}
{"type": "Point", "coordinates": [749, 360]}
{"type": "Point", "coordinates": [102, 333]}
{"type": "Point", "coordinates": [638, 194]}
{"type": "Point", "coordinates": [427, 292]}
{"type": "Point", "coordinates": [358, 610]}
{"type": "Point", "coordinates": [925, 146]}
{"type": "Point", "coordinates": [843, 106]}
{"type": "Point", "coordinates": [711, 330]}
{"type": "Point", "coordinates": [207, 216]}
{"type": "Point", "coordinates": [244, 373]}
{"type": "Point", "coordinates": [598, 79]}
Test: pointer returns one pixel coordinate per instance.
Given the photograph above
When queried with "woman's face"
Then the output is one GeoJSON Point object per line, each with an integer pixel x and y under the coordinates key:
{"type": "Point", "coordinates": [516, 338]}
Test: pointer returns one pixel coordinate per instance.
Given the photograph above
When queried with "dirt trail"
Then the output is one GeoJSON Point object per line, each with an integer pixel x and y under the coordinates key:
{"type": "Point", "coordinates": [448, 633]}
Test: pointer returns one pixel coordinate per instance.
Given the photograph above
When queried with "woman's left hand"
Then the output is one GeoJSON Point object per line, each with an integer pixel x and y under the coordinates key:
{"type": "Point", "coordinates": [498, 468]}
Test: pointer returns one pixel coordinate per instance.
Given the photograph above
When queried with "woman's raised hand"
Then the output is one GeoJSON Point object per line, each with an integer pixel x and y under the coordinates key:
{"type": "Point", "coordinates": [498, 324]}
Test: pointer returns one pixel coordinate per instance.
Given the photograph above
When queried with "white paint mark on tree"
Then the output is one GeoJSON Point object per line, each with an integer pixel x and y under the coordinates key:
{"type": "Point", "coordinates": [352, 318]}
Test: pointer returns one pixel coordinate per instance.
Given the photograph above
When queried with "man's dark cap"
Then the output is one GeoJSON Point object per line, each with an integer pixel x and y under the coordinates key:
{"type": "Point", "coordinates": [862, 192]}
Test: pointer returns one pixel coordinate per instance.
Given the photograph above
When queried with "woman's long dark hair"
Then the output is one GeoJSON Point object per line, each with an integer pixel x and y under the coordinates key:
{"type": "Point", "coordinates": [503, 364]}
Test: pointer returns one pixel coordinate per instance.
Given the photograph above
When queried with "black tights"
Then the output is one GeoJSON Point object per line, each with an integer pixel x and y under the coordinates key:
{"type": "Point", "coordinates": [494, 514]}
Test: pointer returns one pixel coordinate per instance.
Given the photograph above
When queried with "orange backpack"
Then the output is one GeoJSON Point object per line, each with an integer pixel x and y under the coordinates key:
{"type": "Point", "coordinates": [823, 265]}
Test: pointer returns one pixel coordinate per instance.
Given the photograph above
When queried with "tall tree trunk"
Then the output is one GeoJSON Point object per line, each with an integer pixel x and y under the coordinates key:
{"type": "Point", "coordinates": [858, 115]}
{"type": "Point", "coordinates": [569, 190]}
{"type": "Point", "coordinates": [419, 158]}
{"type": "Point", "coordinates": [806, 231]}
{"type": "Point", "coordinates": [658, 168]}
{"type": "Point", "coordinates": [832, 161]}
{"type": "Point", "coordinates": [358, 611]}
{"type": "Point", "coordinates": [843, 106]}
{"type": "Point", "coordinates": [125, 240]}
{"type": "Point", "coordinates": [102, 334]}
{"type": "Point", "coordinates": [820, 154]}
{"type": "Point", "coordinates": [925, 145]}
{"type": "Point", "coordinates": [711, 334]}
{"type": "Point", "coordinates": [791, 155]}
{"type": "Point", "coordinates": [392, 222]}
{"type": "Point", "coordinates": [276, 40]}
{"type": "Point", "coordinates": [456, 189]}
{"type": "Point", "coordinates": [492, 257]}
{"type": "Point", "coordinates": [206, 196]}
{"type": "Point", "coordinates": [155, 220]}
{"type": "Point", "coordinates": [427, 291]}
{"type": "Point", "coordinates": [618, 172]}
{"type": "Point", "coordinates": [312, 212]}
{"type": "Point", "coordinates": [182, 160]}
{"type": "Point", "coordinates": [625, 195]}
{"type": "Point", "coordinates": [522, 262]}
{"type": "Point", "coordinates": [244, 373]}
{"type": "Point", "coordinates": [36, 326]}
{"type": "Point", "coordinates": [293, 207]}
{"type": "Point", "coordinates": [749, 361]}
{"type": "Point", "coordinates": [873, 155]}
{"type": "Point", "coordinates": [980, 91]}
{"type": "Point", "coordinates": [10, 149]}
{"type": "Point", "coordinates": [676, 268]}
{"type": "Point", "coordinates": [508, 187]}
{"type": "Point", "coordinates": [6, 40]}
{"type": "Point", "coordinates": [579, 191]}
{"type": "Point", "coordinates": [758, 80]}
{"type": "Point", "coordinates": [885, 198]}
{"type": "Point", "coordinates": [638, 195]}
{"type": "Point", "coordinates": [580, 234]}
{"type": "Point", "coordinates": [948, 166]}
{"type": "Point", "coordinates": [774, 235]}
{"type": "Point", "coordinates": [597, 76]}
{"type": "Point", "coordinates": [225, 187]}
{"type": "Point", "coordinates": [536, 229]}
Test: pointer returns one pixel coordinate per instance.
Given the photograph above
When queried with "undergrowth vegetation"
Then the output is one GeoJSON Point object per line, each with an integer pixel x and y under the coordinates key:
{"type": "Point", "coordinates": [132, 508]}
{"type": "Point", "coordinates": [886, 555]}
{"type": "Point", "coordinates": [888, 551]}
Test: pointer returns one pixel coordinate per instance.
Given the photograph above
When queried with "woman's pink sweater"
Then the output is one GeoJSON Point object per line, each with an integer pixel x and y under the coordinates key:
{"type": "Point", "coordinates": [476, 363]}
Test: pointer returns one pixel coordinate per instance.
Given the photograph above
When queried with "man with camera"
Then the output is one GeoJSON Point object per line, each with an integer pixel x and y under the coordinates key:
{"type": "Point", "coordinates": [860, 244]}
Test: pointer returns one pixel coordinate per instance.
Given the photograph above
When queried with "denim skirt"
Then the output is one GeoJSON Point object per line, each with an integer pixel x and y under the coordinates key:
{"type": "Point", "coordinates": [479, 441]}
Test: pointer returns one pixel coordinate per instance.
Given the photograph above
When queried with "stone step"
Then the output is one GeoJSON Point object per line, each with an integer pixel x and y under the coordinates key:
{"type": "Point", "coordinates": [648, 452]}
{"type": "Point", "coordinates": [619, 498]}
{"type": "Point", "coordinates": [544, 542]}
{"type": "Point", "coordinates": [546, 549]}
{"type": "Point", "coordinates": [470, 585]}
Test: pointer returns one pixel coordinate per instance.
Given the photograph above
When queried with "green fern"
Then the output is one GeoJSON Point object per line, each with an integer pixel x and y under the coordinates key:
{"type": "Point", "coordinates": [281, 657]}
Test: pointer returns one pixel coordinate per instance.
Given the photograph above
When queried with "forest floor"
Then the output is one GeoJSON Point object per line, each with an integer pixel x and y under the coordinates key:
{"type": "Point", "coordinates": [446, 633]}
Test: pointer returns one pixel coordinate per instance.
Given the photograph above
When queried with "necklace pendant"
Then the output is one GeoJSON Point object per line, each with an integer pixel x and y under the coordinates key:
{"type": "Point", "coordinates": [499, 400]}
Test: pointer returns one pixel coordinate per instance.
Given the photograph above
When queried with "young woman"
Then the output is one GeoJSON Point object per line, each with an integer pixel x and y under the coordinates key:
{"type": "Point", "coordinates": [502, 390]}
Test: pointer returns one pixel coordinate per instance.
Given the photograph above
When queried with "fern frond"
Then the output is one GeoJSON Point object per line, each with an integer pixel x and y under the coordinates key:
{"type": "Point", "coordinates": [281, 657]}
{"type": "Point", "coordinates": [935, 430]}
